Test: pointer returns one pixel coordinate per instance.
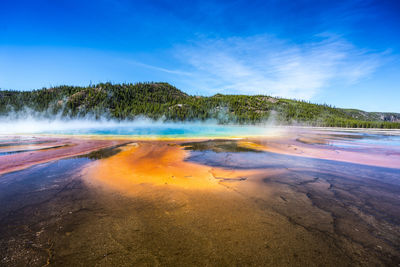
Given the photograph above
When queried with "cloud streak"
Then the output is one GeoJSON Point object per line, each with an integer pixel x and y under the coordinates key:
{"type": "Point", "coordinates": [266, 65]}
{"type": "Point", "coordinates": [160, 69]}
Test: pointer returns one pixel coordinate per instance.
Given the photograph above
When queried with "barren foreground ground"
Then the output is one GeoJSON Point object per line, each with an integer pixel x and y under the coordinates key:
{"type": "Point", "coordinates": [303, 199]}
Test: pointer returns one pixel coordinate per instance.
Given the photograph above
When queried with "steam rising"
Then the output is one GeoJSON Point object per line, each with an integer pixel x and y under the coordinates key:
{"type": "Point", "coordinates": [138, 127]}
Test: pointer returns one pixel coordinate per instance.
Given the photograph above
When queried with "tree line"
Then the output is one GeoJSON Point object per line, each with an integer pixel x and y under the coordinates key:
{"type": "Point", "coordinates": [166, 102]}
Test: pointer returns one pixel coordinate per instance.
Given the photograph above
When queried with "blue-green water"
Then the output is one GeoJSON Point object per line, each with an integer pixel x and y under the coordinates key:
{"type": "Point", "coordinates": [156, 129]}
{"type": "Point", "coordinates": [179, 130]}
{"type": "Point", "coordinates": [137, 128]}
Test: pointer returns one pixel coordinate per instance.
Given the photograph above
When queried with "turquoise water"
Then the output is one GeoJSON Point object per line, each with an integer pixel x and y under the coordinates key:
{"type": "Point", "coordinates": [142, 128]}
{"type": "Point", "coordinates": [167, 130]}
{"type": "Point", "coordinates": [156, 129]}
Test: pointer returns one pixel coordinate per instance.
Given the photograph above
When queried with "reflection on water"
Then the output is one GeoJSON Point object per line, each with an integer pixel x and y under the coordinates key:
{"type": "Point", "coordinates": [218, 203]}
{"type": "Point", "coordinates": [22, 149]}
{"type": "Point", "coordinates": [352, 139]}
{"type": "Point", "coordinates": [6, 143]}
{"type": "Point", "coordinates": [373, 139]}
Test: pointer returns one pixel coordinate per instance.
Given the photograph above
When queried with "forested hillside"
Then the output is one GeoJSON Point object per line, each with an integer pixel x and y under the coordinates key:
{"type": "Point", "coordinates": [163, 101]}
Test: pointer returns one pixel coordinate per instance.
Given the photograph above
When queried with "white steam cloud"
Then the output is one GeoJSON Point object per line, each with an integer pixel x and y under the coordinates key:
{"type": "Point", "coordinates": [140, 127]}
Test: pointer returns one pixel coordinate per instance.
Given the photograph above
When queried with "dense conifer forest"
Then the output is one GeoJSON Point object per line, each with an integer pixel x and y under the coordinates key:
{"type": "Point", "coordinates": [164, 101]}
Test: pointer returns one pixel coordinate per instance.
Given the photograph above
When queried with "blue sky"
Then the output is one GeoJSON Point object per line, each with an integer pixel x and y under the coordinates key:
{"type": "Point", "coordinates": [344, 53]}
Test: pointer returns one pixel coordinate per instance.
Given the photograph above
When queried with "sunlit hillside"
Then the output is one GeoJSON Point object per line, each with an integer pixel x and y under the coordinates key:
{"type": "Point", "coordinates": [164, 101]}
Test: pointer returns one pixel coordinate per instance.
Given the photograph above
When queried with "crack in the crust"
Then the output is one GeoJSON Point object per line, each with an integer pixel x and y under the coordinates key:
{"type": "Point", "coordinates": [337, 238]}
{"type": "Point", "coordinates": [335, 219]}
{"type": "Point", "coordinates": [338, 232]}
{"type": "Point", "coordinates": [49, 253]}
{"type": "Point", "coordinates": [372, 229]}
{"type": "Point", "coordinates": [230, 179]}
{"type": "Point", "coordinates": [30, 233]}
{"type": "Point", "coordinates": [294, 222]}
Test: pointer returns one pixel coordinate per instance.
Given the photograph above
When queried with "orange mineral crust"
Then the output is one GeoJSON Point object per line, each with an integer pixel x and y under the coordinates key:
{"type": "Point", "coordinates": [159, 164]}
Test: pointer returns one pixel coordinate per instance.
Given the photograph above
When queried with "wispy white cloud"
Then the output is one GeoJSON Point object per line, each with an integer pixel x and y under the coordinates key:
{"type": "Point", "coordinates": [156, 68]}
{"type": "Point", "coordinates": [267, 65]}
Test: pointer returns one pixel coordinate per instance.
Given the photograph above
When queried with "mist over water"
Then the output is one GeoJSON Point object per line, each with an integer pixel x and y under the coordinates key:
{"type": "Point", "coordinates": [139, 127]}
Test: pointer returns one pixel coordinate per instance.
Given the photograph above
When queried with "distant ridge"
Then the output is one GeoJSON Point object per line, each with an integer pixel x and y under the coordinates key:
{"type": "Point", "coordinates": [163, 101]}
